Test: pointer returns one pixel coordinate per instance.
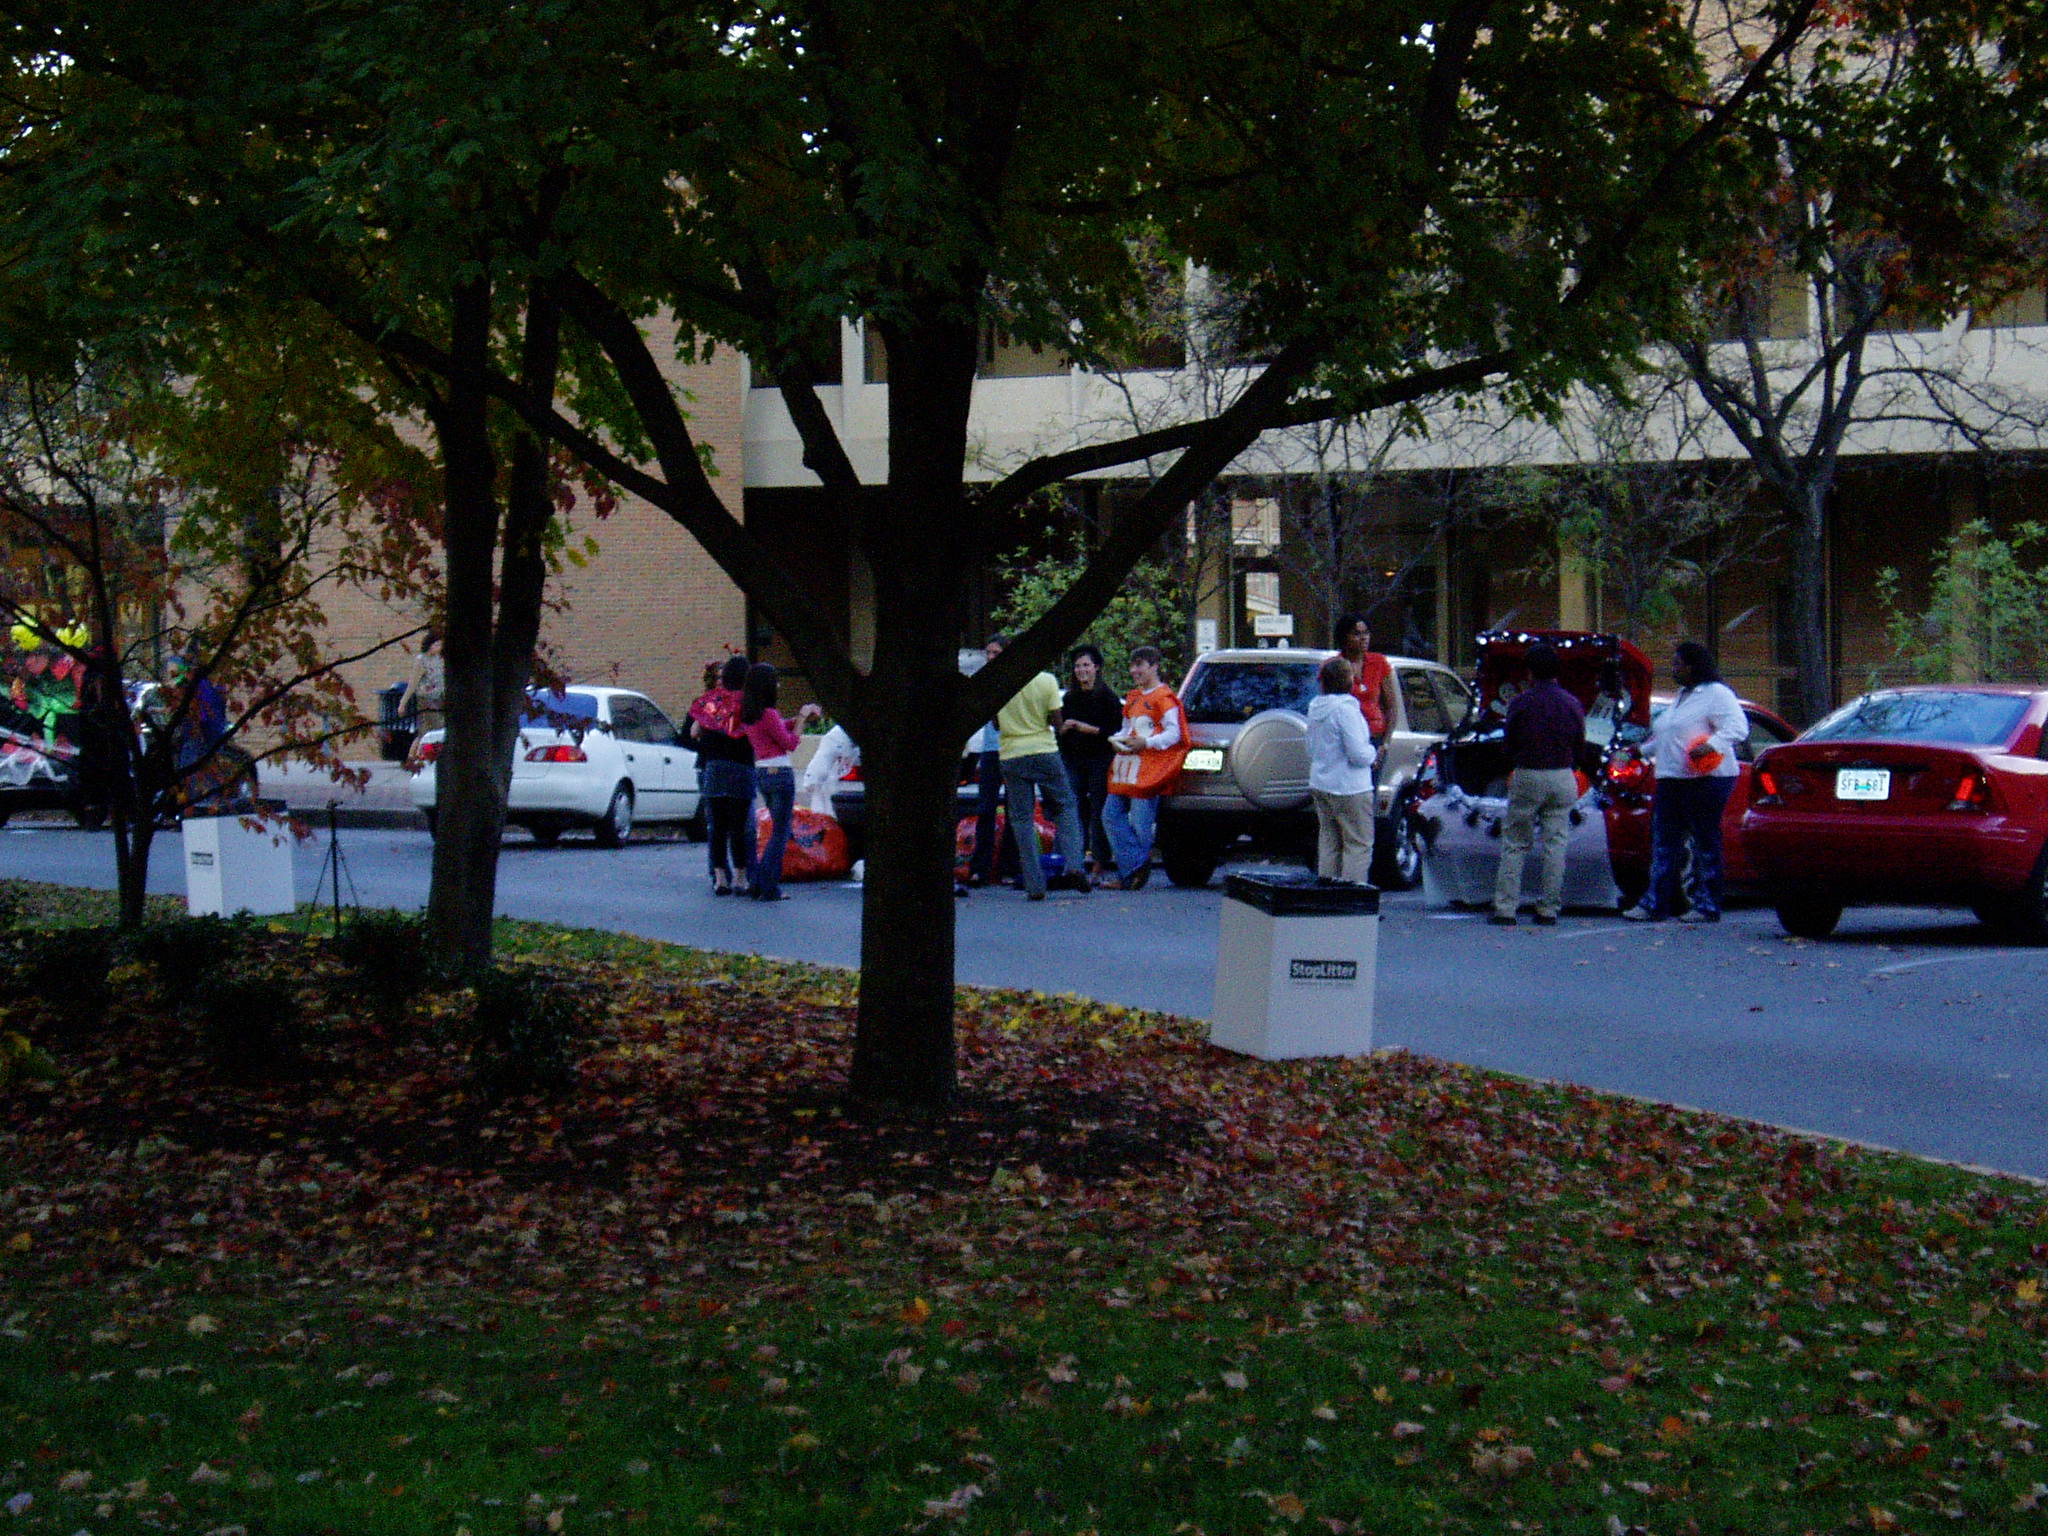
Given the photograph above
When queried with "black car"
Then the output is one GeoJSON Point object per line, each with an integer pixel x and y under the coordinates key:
{"type": "Point", "coordinates": [40, 775]}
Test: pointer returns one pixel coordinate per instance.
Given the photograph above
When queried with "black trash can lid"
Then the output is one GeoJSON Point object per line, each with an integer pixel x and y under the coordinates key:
{"type": "Point", "coordinates": [1303, 896]}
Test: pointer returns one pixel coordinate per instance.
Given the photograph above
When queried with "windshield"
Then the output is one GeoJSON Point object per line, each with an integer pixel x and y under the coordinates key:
{"type": "Point", "coordinates": [1230, 693]}
{"type": "Point", "coordinates": [1964, 719]}
{"type": "Point", "coordinates": [558, 711]}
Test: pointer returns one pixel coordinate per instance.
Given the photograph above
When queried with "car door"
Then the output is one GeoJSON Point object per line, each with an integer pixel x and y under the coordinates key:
{"type": "Point", "coordinates": [644, 758]}
{"type": "Point", "coordinates": [1420, 725]}
{"type": "Point", "coordinates": [678, 764]}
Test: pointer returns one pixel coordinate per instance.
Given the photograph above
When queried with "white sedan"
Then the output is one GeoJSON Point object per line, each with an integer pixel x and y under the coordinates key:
{"type": "Point", "coordinates": [602, 758]}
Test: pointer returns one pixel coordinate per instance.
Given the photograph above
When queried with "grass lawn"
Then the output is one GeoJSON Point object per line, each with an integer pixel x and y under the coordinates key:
{"type": "Point", "coordinates": [1133, 1285]}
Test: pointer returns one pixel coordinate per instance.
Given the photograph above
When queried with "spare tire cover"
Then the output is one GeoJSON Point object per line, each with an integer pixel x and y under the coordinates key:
{"type": "Point", "coordinates": [1269, 760]}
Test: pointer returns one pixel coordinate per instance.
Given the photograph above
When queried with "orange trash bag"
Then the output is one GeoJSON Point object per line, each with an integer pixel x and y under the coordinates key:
{"type": "Point", "coordinates": [963, 837]}
{"type": "Point", "coordinates": [816, 849]}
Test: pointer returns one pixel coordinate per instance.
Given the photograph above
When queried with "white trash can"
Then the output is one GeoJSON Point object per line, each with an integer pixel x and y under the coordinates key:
{"type": "Point", "coordinates": [236, 866]}
{"type": "Point", "coordinates": [1296, 962]}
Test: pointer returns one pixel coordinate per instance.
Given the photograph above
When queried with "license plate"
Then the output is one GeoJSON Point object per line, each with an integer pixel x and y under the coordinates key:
{"type": "Point", "coordinates": [1204, 760]}
{"type": "Point", "coordinates": [1863, 784]}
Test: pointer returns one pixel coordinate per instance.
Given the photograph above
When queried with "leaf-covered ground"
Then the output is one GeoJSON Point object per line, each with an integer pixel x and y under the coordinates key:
{"type": "Point", "coordinates": [1133, 1285]}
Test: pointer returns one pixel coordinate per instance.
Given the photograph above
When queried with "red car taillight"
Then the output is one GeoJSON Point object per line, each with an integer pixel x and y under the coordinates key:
{"type": "Point", "coordinates": [1973, 791]}
{"type": "Point", "coordinates": [423, 753]}
{"type": "Point", "coordinates": [1764, 788]}
{"type": "Point", "coordinates": [1428, 778]}
{"type": "Point", "coordinates": [557, 754]}
{"type": "Point", "coordinates": [851, 776]}
{"type": "Point", "coordinates": [1630, 775]}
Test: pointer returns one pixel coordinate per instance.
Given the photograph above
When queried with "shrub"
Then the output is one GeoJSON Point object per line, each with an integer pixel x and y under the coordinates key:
{"type": "Point", "coordinates": [387, 951]}
{"type": "Point", "coordinates": [248, 1023]}
{"type": "Point", "coordinates": [185, 952]}
{"type": "Point", "coordinates": [526, 1026]}
{"type": "Point", "coordinates": [21, 1062]}
{"type": "Point", "coordinates": [63, 973]}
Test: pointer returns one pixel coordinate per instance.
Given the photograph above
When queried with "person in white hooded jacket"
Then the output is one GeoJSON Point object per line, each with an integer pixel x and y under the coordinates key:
{"type": "Point", "coordinates": [1340, 759]}
{"type": "Point", "coordinates": [1691, 747]}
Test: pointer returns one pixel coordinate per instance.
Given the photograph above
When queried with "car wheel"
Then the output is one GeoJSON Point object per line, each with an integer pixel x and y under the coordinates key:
{"type": "Point", "coordinates": [433, 824]}
{"type": "Point", "coordinates": [91, 815]}
{"type": "Point", "coordinates": [1189, 864]}
{"type": "Point", "coordinates": [695, 828]}
{"type": "Point", "coordinates": [546, 833]}
{"type": "Point", "coordinates": [1397, 850]}
{"type": "Point", "coordinates": [1808, 916]}
{"type": "Point", "coordinates": [617, 824]}
{"type": "Point", "coordinates": [2023, 915]}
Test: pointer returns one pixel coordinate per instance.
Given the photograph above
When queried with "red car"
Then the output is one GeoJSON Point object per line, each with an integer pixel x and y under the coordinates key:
{"type": "Point", "coordinates": [1925, 796]}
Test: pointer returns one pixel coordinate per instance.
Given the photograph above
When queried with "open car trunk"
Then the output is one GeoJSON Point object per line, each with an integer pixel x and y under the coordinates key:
{"type": "Point", "coordinates": [1607, 675]}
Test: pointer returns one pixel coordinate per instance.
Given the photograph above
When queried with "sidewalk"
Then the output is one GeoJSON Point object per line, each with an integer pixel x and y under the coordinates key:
{"type": "Point", "coordinates": [384, 801]}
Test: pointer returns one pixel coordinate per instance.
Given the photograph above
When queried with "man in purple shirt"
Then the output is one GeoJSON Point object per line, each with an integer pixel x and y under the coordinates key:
{"type": "Point", "coordinates": [1544, 730]}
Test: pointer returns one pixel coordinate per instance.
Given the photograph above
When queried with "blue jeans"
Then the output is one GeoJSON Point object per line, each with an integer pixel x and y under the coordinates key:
{"type": "Point", "coordinates": [1687, 810]}
{"type": "Point", "coordinates": [1131, 821]}
{"type": "Point", "coordinates": [1043, 776]}
{"type": "Point", "coordinates": [1091, 788]}
{"type": "Point", "coordinates": [777, 787]}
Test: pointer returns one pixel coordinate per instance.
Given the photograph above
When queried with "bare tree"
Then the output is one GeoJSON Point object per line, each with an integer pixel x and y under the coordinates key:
{"type": "Point", "coordinates": [125, 552]}
{"type": "Point", "coordinates": [1828, 327]}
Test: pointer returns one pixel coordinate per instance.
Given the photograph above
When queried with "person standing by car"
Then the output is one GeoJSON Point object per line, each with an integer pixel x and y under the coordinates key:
{"type": "Point", "coordinates": [1340, 758]}
{"type": "Point", "coordinates": [773, 740]}
{"type": "Point", "coordinates": [728, 761]}
{"type": "Point", "coordinates": [1372, 675]}
{"type": "Point", "coordinates": [1545, 727]}
{"type": "Point", "coordinates": [425, 696]}
{"type": "Point", "coordinates": [1691, 747]}
{"type": "Point", "coordinates": [1149, 751]}
{"type": "Point", "coordinates": [1032, 771]}
{"type": "Point", "coordinates": [1090, 713]}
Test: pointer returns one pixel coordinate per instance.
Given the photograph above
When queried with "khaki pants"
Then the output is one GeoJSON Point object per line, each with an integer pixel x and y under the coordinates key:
{"type": "Point", "coordinates": [1542, 796]}
{"type": "Point", "coordinates": [1344, 832]}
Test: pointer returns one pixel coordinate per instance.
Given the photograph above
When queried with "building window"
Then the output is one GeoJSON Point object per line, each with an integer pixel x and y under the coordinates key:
{"type": "Point", "coordinates": [1255, 526]}
{"type": "Point", "coordinates": [2029, 306]}
{"type": "Point", "coordinates": [1766, 309]}
{"type": "Point", "coordinates": [1004, 357]}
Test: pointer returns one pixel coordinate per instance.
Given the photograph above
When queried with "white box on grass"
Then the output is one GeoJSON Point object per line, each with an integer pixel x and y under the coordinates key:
{"type": "Point", "coordinates": [1296, 963]}
{"type": "Point", "coordinates": [237, 864]}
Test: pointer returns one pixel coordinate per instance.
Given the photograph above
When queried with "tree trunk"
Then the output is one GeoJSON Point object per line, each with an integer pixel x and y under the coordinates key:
{"type": "Point", "coordinates": [903, 1045]}
{"type": "Point", "coordinates": [1812, 656]}
{"type": "Point", "coordinates": [919, 539]}
{"type": "Point", "coordinates": [471, 778]}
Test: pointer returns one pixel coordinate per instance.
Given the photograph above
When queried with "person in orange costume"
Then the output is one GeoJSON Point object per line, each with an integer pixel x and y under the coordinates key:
{"type": "Point", "coordinates": [1149, 750]}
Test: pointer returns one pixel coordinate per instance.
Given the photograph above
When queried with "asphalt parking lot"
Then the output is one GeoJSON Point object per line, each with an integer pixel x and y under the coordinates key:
{"type": "Point", "coordinates": [1908, 1029]}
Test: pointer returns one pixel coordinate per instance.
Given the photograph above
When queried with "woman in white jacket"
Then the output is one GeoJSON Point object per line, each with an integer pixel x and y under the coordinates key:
{"type": "Point", "coordinates": [1691, 747]}
{"type": "Point", "coordinates": [1340, 758]}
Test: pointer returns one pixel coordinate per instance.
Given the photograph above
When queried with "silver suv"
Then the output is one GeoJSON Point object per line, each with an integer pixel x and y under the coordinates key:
{"type": "Point", "coordinates": [1246, 772]}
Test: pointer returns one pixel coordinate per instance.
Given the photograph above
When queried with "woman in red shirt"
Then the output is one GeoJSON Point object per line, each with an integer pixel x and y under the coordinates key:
{"type": "Point", "coordinates": [1373, 674]}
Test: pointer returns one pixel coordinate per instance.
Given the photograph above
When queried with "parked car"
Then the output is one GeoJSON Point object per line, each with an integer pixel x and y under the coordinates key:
{"type": "Point", "coordinates": [1461, 795]}
{"type": "Point", "coordinates": [1453, 809]}
{"type": "Point", "coordinates": [1459, 798]}
{"type": "Point", "coordinates": [1927, 796]}
{"type": "Point", "coordinates": [849, 801]}
{"type": "Point", "coordinates": [37, 774]}
{"type": "Point", "coordinates": [1246, 773]}
{"type": "Point", "coordinates": [602, 758]}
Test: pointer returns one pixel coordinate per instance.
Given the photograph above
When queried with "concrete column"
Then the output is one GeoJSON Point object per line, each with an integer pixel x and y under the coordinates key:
{"type": "Point", "coordinates": [1574, 590]}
